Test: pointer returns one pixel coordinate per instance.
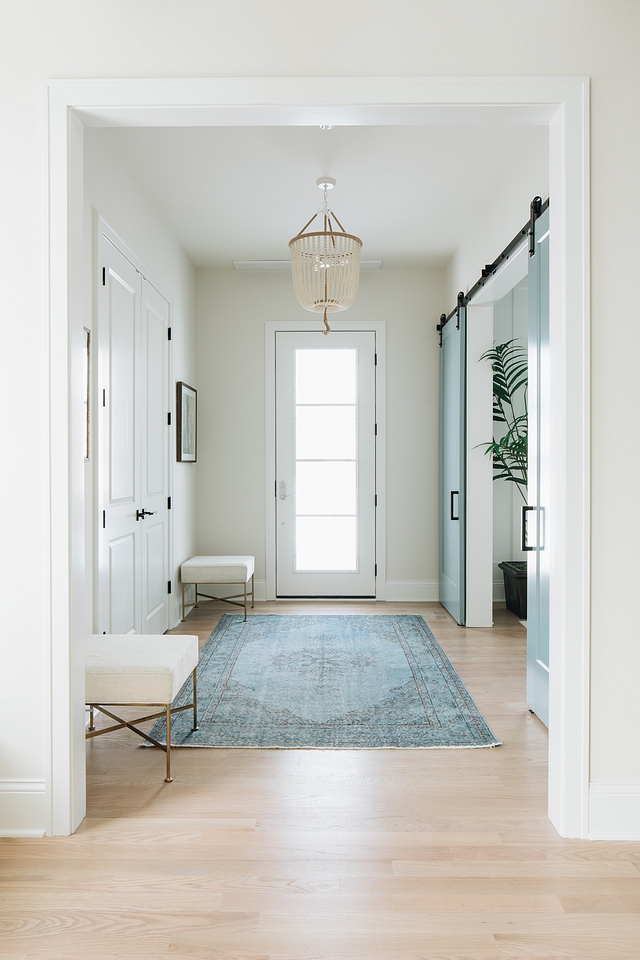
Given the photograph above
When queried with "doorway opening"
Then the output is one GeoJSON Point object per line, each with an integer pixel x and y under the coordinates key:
{"type": "Point", "coordinates": [563, 106]}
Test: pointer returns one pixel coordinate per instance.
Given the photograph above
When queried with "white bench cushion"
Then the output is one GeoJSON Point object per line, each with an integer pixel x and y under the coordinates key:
{"type": "Point", "coordinates": [218, 569]}
{"type": "Point", "coordinates": [137, 669]}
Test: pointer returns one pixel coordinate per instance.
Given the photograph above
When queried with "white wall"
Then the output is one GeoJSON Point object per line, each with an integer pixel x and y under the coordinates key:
{"type": "Point", "coordinates": [112, 190]}
{"type": "Point", "coordinates": [72, 38]}
{"type": "Point", "coordinates": [232, 308]}
{"type": "Point", "coordinates": [510, 315]}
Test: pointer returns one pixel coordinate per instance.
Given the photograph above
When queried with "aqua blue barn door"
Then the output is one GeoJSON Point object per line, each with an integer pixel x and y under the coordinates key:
{"type": "Point", "coordinates": [452, 465]}
{"type": "Point", "coordinates": [535, 519]}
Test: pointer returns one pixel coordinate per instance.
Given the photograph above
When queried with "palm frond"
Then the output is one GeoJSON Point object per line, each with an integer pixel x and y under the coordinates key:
{"type": "Point", "coordinates": [510, 377]}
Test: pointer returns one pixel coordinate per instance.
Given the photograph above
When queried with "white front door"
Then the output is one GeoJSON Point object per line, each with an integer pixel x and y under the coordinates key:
{"type": "Point", "coordinates": [325, 464]}
{"type": "Point", "coordinates": [133, 443]}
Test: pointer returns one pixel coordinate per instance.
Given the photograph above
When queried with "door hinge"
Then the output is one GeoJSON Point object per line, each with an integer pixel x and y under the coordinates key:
{"type": "Point", "coordinates": [168, 503]}
{"type": "Point", "coordinates": [376, 430]}
{"type": "Point", "coordinates": [376, 500]}
{"type": "Point", "coordinates": [104, 398]}
{"type": "Point", "coordinates": [168, 419]}
{"type": "Point", "coordinates": [168, 586]}
{"type": "Point", "coordinates": [168, 333]}
{"type": "Point", "coordinates": [104, 276]}
{"type": "Point", "coordinates": [376, 570]}
{"type": "Point", "coordinates": [104, 519]}
{"type": "Point", "coordinates": [375, 359]}
{"type": "Point", "coordinates": [275, 488]}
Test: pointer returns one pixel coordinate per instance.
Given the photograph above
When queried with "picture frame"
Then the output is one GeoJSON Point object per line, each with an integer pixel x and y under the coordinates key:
{"type": "Point", "coordinates": [186, 423]}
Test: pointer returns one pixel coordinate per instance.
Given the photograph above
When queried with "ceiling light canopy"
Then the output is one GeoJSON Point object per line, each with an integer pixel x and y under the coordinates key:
{"type": "Point", "coordinates": [325, 264]}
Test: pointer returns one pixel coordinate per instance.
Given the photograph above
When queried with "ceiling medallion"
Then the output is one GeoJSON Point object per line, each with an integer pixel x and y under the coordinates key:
{"type": "Point", "coordinates": [325, 264]}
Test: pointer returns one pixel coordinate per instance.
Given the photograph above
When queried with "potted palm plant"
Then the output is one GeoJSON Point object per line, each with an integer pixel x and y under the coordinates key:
{"type": "Point", "coordinates": [509, 447]}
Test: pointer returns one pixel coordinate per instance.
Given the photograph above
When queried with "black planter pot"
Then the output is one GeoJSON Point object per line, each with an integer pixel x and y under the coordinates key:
{"type": "Point", "coordinates": [515, 586]}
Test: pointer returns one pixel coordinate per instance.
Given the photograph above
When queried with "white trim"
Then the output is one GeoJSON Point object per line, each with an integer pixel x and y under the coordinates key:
{"type": "Point", "coordinates": [272, 327]}
{"type": "Point", "coordinates": [614, 811]}
{"type": "Point", "coordinates": [563, 104]}
{"type": "Point", "coordinates": [413, 591]}
{"type": "Point", "coordinates": [22, 786]}
{"type": "Point", "coordinates": [22, 808]}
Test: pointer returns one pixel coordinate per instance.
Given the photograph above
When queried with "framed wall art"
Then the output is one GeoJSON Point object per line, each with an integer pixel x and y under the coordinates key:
{"type": "Point", "coordinates": [186, 423]}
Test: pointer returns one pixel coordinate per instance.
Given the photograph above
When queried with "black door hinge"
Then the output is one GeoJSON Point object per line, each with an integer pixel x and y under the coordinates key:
{"type": "Point", "coordinates": [104, 398]}
{"type": "Point", "coordinates": [104, 519]}
{"type": "Point", "coordinates": [376, 499]}
{"type": "Point", "coordinates": [104, 276]}
{"type": "Point", "coordinates": [168, 419]}
{"type": "Point", "coordinates": [168, 586]}
{"type": "Point", "coordinates": [168, 503]}
{"type": "Point", "coordinates": [376, 570]}
{"type": "Point", "coordinates": [376, 430]}
{"type": "Point", "coordinates": [375, 359]}
{"type": "Point", "coordinates": [168, 333]}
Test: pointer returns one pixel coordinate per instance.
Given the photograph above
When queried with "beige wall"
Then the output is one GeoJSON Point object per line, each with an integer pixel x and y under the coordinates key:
{"type": "Point", "coordinates": [161, 38]}
{"type": "Point", "coordinates": [232, 308]}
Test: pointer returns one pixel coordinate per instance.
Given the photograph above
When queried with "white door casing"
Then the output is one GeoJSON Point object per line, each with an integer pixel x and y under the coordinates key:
{"type": "Point", "coordinates": [133, 448]}
{"type": "Point", "coordinates": [560, 103]}
{"type": "Point", "coordinates": [340, 470]}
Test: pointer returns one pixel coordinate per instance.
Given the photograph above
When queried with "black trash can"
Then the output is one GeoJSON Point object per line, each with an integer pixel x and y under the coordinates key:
{"type": "Point", "coordinates": [515, 586]}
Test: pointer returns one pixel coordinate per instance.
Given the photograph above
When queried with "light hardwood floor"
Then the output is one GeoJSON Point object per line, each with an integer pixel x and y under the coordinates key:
{"type": "Point", "coordinates": [284, 854]}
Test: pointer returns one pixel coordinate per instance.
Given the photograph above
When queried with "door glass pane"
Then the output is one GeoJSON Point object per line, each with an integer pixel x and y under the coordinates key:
{"type": "Point", "coordinates": [326, 376]}
{"type": "Point", "coordinates": [326, 543]}
{"type": "Point", "coordinates": [325, 487]}
{"type": "Point", "coordinates": [326, 433]}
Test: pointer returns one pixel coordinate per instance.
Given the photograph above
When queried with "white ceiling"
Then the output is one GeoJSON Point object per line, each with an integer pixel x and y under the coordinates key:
{"type": "Point", "coordinates": [241, 193]}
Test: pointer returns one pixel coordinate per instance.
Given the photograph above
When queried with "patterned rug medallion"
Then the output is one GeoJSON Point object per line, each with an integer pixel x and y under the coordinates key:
{"type": "Point", "coordinates": [327, 681]}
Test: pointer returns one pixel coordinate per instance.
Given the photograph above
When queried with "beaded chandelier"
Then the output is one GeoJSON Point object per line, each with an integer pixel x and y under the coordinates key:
{"type": "Point", "coordinates": [325, 264]}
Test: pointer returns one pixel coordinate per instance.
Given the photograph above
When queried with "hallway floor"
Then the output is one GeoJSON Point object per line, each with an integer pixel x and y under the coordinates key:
{"type": "Point", "coordinates": [303, 855]}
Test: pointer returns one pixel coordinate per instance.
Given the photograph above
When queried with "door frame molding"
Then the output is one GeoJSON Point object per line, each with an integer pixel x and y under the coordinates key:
{"type": "Point", "coordinates": [562, 104]}
{"type": "Point", "coordinates": [272, 327]}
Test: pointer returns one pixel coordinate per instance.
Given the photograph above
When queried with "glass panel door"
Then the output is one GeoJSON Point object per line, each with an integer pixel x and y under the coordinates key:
{"type": "Point", "coordinates": [325, 395]}
{"type": "Point", "coordinates": [534, 518]}
{"type": "Point", "coordinates": [452, 465]}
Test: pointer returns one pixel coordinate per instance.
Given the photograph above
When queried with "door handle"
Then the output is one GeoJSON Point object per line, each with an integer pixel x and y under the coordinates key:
{"type": "Point", "coordinates": [454, 493]}
{"type": "Point", "coordinates": [141, 514]}
{"type": "Point", "coordinates": [524, 529]}
{"type": "Point", "coordinates": [283, 490]}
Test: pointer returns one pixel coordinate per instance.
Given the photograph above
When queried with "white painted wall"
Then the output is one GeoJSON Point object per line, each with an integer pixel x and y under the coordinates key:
{"type": "Point", "coordinates": [112, 190]}
{"type": "Point", "coordinates": [232, 308]}
{"type": "Point", "coordinates": [72, 38]}
{"type": "Point", "coordinates": [509, 321]}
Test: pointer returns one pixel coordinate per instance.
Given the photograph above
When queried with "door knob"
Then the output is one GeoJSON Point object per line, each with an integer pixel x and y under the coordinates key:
{"type": "Point", "coordinates": [141, 514]}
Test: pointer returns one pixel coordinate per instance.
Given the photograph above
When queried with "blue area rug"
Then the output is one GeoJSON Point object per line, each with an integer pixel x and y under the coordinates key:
{"type": "Point", "coordinates": [327, 681]}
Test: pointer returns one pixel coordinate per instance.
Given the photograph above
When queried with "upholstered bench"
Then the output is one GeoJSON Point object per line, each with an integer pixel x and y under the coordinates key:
{"type": "Point", "coordinates": [135, 670]}
{"type": "Point", "coordinates": [219, 570]}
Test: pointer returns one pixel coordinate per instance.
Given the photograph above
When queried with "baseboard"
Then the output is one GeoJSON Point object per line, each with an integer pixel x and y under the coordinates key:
{"type": "Point", "coordinates": [22, 808]}
{"type": "Point", "coordinates": [498, 591]}
{"type": "Point", "coordinates": [413, 591]}
{"type": "Point", "coordinates": [614, 811]}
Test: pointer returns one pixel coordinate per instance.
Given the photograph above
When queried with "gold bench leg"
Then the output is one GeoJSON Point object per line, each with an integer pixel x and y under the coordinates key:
{"type": "Point", "coordinates": [195, 704]}
{"type": "Point", "coordinates": [245, 601]}
{"type": "Point", "coordinates": [252, 590]}
{"type": "Point", "coordinates": [168, 778]}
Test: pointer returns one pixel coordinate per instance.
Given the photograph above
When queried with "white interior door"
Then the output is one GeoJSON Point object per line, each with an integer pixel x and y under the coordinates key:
{"type": "Point", "coordinates": [154, 449]}
{"type": "Point", "coordinates": [132, 449]}
{"type": "Point", "coordinates": [325, 464]}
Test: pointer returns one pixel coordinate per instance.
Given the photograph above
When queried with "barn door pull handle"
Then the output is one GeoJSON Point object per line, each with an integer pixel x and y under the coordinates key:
{"type": "Point", "coordinates": [524, 546]}
{"type": "Point", "coordinates": [456, 516]}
